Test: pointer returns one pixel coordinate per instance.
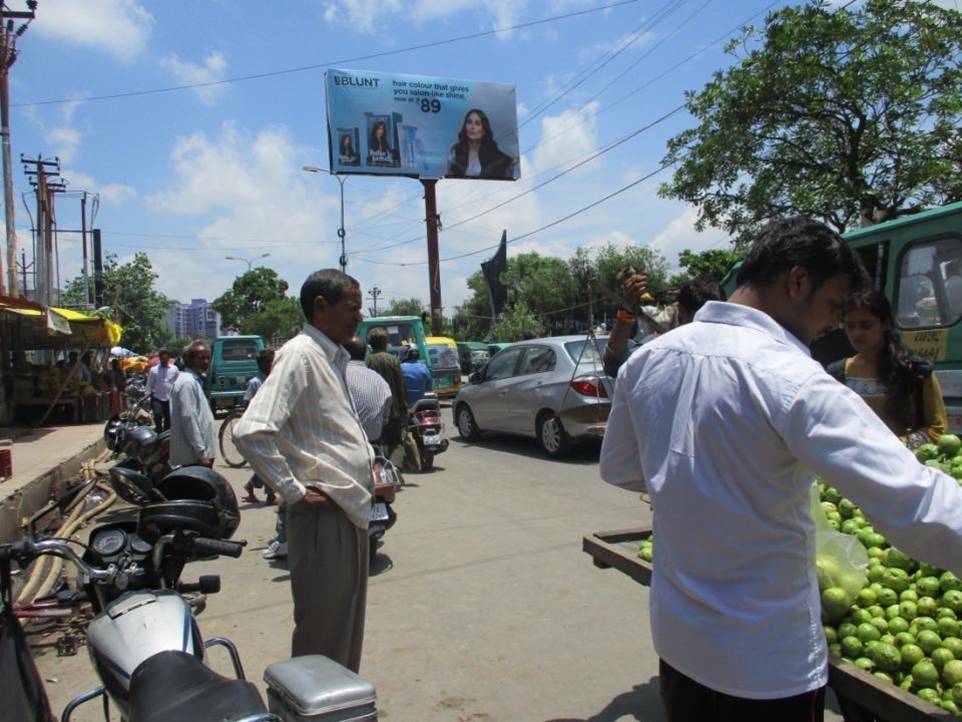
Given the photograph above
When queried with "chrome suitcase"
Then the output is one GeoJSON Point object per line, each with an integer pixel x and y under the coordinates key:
{"type": "Point", "coordinates": [314, 688]}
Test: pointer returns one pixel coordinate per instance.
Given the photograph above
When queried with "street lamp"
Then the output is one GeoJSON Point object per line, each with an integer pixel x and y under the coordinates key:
{"type": "Point", "coordinates": [340, 231]}
{"type": "Point", "coordinates": [248, 261]}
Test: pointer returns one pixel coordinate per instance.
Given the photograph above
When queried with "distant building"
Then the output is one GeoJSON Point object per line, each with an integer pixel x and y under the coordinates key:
{"type": "Point", "coordinates": [193, 320]}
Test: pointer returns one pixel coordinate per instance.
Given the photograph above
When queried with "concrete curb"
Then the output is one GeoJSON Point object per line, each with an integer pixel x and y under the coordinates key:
{"type": "Point", "coordinates": [23, 500]}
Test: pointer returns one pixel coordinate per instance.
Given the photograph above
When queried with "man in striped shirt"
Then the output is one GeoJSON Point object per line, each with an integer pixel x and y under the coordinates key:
{"type": "Point", "coordinates": [370, 393]}
{"type": "Point", "coordinates": [304, 439]}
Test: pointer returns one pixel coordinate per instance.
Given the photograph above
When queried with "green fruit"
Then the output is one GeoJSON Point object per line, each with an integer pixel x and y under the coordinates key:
{"type": "Point", "coordinates": [887, 658]}
{"type": "Point", "coordinates": [864, 663]}
{"type": "Point", "coordinates": [875, 570]}
{"type": "Point", "coordinates": [886, 597]}
{"type": "Point", "coordinates": [949, 445]}
{"type": "Point", "coordinates": [912, 654]}
{"type": "Point", "coordinates": [885, 676]}
{"type": "Point", "coordinates": [888, 639]}
{"type": "Point", "coordinates": [860, 616]}
{"type": "Point", "coordinates": [896, 579]}
{"type": "Point", "coordinates": [835, 649]}
{"type": "Point", "coordinates": [849, 526]}
{"type": "Point", "coordinates": [927, 606]}
{"type": "Point", "coordinates": [906, 682]}
{"type": "Point", "coordinates": [952, 672]}
{"type": "Point", "coordinates": [929, 695]}
{"type": "Point", "coordinates": [880, 624]}
{"type": "Point", "coordinates": [868, 633]}
{"type": "Point", "coordinates": [831, 635]}
{"type": "Point", "coordinates": [852, 647]}
{"type": "Point", "coordinates": [846, 629]}
{"type": "Point", "coordinates": [925, 674]}
{"type": "Point", "coordinates": [866, 598]}
{"type": "Point", "coordinates": [948, 581]}
{"type": "Point", "coordinates": [954, 645]}
{"type": "Point", "coordinates": [929, 571]}
{"type": "Point", "coordinates": [830, 493]}
{"type": "Point", "coordinates": [952, 599]}
{"type": "Point", "coordinates": [920, 623]}
{"type": "Point", "coordinates": [828, 507]}
{"type": "Point", "coordinates": [909, 610]}
{"type": "Point", "coordinates": [826, 572]}
{"type": "Point", "coordinates": [951, 707]}
{"type": "Point", "coordinates": [898, 624]}
{"type": "Point", "coordinates": [834, 604]}
{"type": "Point", "coordinates": [948, 627]}
{"type": "Point", "coordinates": [946, 612]}
{"type": "Point", "coordinates": [898, 559]}
{"type": "Point", "coordinates": [940, 656]}
{"type": "Point", "coordinates": [926, 452]}
{"type": "Point", "coordinates": [876, 552]}
{"type": "Point", "coordinates": [903, 638]}
{"type": "Point", "coordinates": [893, 611]}
{"type": "Point", "coordinates": [929, 586]}
{"type": "Point", "coordinates": [876, 611]}
{"type": "Point", "coordinates": [846, 508]}
{"type": "Point", "coordinates": [929, 641]}
{"type": "Point", "coordinates": [909, 595]}
{"type": "Point", "coordinates": [957, 693]}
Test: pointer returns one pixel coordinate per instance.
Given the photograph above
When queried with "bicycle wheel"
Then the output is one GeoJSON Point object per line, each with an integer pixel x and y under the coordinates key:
{"type": "Point", "coordinates": [228, 451]}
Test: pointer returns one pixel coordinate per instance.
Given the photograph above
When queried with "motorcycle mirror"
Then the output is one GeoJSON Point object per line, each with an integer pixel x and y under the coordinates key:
{"type": "Point", "coordinates": [133, 487]}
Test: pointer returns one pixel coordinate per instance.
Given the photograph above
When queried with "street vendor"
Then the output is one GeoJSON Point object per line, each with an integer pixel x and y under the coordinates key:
{"type": "Point", "coordinates": [723, 421]}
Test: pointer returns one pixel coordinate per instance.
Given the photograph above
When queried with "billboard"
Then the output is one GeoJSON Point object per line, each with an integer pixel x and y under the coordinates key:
{"type": "Point", "coordinates": [415, 125]}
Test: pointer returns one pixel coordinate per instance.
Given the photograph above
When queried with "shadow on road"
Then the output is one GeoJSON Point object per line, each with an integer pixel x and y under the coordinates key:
{"type": "Point", "coordinates": [382, 563]}
{"type": "Point", "coordinates": [643, 702]}
{"type": "Point", "coordinates": [583, 454]}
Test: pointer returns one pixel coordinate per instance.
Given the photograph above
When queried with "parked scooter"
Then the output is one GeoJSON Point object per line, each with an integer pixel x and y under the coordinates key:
{"type": "Point", "coordinates": [387, 479]}
{"type": "Point", "coordinates": [425, 424]}
{"type": "Point", "coordinates": [145, 644]}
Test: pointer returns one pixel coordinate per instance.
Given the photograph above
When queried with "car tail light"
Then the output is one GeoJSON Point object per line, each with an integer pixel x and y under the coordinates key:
{"type": "Point", "coordinates": [590, 387]}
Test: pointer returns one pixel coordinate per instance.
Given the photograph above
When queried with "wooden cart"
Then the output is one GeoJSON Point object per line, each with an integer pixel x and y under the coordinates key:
{"type": "Point", "coordinates": [619, 550]}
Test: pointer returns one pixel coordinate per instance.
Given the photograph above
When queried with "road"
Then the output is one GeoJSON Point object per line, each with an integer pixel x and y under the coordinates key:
{"type": "Point", "coordinates": [482, 606]}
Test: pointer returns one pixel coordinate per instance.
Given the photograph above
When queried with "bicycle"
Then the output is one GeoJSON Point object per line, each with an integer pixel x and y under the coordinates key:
{"type": "Point", "coordinates": [228, 450]}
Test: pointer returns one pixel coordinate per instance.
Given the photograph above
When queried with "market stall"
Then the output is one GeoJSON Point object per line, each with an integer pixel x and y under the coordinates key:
{"type": "Point", "coordinates": [43, 383]}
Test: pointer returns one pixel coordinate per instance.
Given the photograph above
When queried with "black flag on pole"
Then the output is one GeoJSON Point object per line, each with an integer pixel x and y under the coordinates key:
{"type": "Point", "coordinates": [492, 270]}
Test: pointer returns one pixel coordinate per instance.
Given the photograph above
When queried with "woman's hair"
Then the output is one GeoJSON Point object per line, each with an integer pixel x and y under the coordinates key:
{"type": "Point", "coordinates": [375, 143]}
{"type": "Point", "coordinates": [897, 369]}
{"type": "Point", "coordinates": [348, 143]}
{"type": "Point", "coordinates": [488, 153]}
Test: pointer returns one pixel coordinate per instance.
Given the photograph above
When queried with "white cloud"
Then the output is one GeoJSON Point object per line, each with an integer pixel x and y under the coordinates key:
{"type": "Point", "coordinates": [58, 129]}
{"type": "Point", "coordinates": [212, 68]}
{"type": "Point", "coordinates": [680, 234]}
{"type": "Point", "coordinates": [627, 43]}
{"type": "Point", "coordinates": [566, 137]}
{"type": "Point", "coordinates": [118, 27]}
{"type": "Point", "coordinates": [111, 194]}
{"type": "Point", "coordinates": [372, 16]}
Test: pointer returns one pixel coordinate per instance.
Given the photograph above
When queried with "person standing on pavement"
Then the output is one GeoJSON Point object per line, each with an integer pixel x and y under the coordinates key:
{"type": "Point", "coordinates": [192, 421]}
{"type": "Point", "coordinates": [417, 376]}
{"type": "Point", "coordinates": [160, 381]}
{"type": "Point", "coordinates": [370, 393]}
{"type": "Point", "coordinates": [387, 366]}
{"type": "Point", "coordinates": [265, 359]}
{"type": "Point", "coordinates": [305, 440]}
{"type": "Point", "coordinates": [723, 421]}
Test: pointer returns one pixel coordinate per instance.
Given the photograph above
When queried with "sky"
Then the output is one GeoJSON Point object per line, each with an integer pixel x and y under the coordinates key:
{"type": "Point", "coordinates": [193, 175]}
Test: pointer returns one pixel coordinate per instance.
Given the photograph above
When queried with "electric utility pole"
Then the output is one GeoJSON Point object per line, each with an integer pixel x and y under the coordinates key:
{"type": "Point", "coordinates": [374, 293]}
{"type": "Point", "coordinates": [8, 56]}
{"type": "Point", "coordinates": [45, 180]}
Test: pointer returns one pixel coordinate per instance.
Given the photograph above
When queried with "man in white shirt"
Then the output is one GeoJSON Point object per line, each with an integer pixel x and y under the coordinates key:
{"type": "Point", "coordinates": [192, 421]}
{"type": "Point", "coordinates": [723, 421]}
{"type": "Point", "coordinates": [304, 439]}
{"type": "Point", "coordinates": [160, 381]}
{"type": "Point", "coordinates": [369, 392]}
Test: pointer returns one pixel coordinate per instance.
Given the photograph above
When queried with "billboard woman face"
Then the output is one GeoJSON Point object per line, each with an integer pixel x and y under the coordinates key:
{"type": "Point", "coordinates": [474, 127]}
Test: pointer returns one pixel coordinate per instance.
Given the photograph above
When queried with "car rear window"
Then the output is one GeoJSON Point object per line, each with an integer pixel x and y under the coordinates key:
{"type": "Point", "coordinates": [239, 350]}
{"type": "Point", "coordinates": [582, 352]}
{"type": "Point", "coordinates": [443, 356]}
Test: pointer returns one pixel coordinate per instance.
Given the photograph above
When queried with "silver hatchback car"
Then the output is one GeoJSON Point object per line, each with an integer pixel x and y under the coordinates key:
{"type": "Point", "coordinates": [553, 389]}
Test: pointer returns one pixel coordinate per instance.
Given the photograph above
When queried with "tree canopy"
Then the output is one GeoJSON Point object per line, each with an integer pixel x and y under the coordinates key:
{"type": "Point", "coordinates": [850, 115]}
{"type": "Point", "coordinates": [257, 303]}
{"type": "Point", "coordinates": [138, 306]}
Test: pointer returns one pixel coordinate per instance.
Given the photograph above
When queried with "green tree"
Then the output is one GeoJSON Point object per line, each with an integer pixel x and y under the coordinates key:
{"type": "Point", "coordinates": [849, 115]}
{"type": "Point", "coordinates": [404, 307]}
{"type": "Point", "coordinates": [277, 320]}
{"type": "Point", "coordinates": [714, 262]}
{"type": "Point", "coordinates": [607, 262]}
{"type": "Point", "coordinates": [516, 322]}
{"type": "Point", "coordinates": [138, 306]}
{"type": "Point", "coordinates": [248, 295]}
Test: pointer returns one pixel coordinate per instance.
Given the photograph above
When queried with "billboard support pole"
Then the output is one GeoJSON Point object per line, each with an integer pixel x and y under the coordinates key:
{"type": "Point", "coordinates": [434, 265]}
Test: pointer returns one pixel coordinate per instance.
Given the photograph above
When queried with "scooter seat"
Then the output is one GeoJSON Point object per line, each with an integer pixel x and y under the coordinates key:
{"type": "Point", "coordinates": [175, 686]}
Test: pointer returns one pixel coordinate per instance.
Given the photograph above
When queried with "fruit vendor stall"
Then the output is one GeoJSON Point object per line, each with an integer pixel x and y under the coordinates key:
{"type": "Point", "coordinates": [41, 384]}
{"type": "Point", "coordinates": [892, 623]}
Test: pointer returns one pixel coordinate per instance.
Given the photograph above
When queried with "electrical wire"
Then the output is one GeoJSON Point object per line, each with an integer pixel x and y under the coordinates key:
{"type": "Point", "coordinates": [318, 66]}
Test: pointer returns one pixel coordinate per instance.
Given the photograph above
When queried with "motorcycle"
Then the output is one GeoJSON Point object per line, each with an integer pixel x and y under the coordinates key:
{"type": "Point", "coordinates": [425, 424]}
{"type": "Point", "coordinates": [387, 479]}
{"type": "Point", "coordinates": [145, 644]}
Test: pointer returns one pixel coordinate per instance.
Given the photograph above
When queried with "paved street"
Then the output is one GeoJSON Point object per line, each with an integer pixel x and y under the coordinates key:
{"type": "Point", "coordinates": [482, 605]}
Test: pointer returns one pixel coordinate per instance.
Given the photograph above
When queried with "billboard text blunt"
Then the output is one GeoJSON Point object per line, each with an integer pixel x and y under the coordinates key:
{"type": "Point", "coordinates": [414, 125]}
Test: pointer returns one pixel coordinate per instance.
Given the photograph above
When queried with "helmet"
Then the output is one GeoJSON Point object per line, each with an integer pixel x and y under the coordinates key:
{"type": "Point", "coordinates": [138, 440]}
{"type": "Point", "coordinates": [198, 499]}
{"type": "Point", "coordinates": [113, 432]}
{"type": "Point", "coordinates": [412, 354]}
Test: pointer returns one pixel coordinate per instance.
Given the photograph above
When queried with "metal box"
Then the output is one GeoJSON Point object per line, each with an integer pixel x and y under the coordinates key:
{"type": "Point", "coordinates": [314, 688]}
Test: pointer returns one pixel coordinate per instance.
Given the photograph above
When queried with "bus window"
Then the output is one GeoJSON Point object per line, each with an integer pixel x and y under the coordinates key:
{"type": "Point", "coordinates": [930, 284]}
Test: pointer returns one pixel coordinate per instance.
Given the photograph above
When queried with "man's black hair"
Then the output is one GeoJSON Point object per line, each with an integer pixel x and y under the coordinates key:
{"type": "Point", "coordinates": [329, 283]}
{"type": "Point", "coordinates": [697, 292]}
{"type": "Point", "coordinates": [265, 359]}
{"type": "Point", "coordinates": [378, 338]}
{"type": "Point", "coordinates": [800, 241]}
{"type": "Point", "coordinates": [356, 348]}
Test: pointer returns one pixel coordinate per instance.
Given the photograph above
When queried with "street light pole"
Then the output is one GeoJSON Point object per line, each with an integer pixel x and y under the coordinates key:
{"type": "Point", "coordinates": [248, 261]}
{"type": "Point", "coordinates": [341, 233]}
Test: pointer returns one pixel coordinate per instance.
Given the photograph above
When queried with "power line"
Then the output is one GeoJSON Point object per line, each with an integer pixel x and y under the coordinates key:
{"type": "Point", "coordinates": [317, 66]}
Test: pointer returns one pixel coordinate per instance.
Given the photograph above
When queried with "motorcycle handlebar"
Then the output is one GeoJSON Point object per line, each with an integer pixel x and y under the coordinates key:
{"type": "Point", "coordinates": [219, 546]}
{"type": "Point", "coordinates": [27, 550]}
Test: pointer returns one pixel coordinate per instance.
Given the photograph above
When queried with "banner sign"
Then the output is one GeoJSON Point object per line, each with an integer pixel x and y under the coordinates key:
{"type": "Point", "coordinates": [415, 125]}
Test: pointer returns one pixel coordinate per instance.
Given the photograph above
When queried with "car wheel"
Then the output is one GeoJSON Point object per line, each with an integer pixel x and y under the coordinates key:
{"type": "Point", "coordinates": [552, 436]}
{"type": "Point", "coordinates": [467, 426]}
